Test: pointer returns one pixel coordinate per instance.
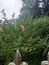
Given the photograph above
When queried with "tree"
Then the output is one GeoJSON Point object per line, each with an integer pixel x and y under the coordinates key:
{"type": "Point", "coordinates": [28, 8]}
{"type": "Point", "coordinates": [35, 8]}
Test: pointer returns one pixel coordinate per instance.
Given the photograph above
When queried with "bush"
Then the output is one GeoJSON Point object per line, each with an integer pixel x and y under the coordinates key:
{"type": "Point", "coordinates": [31, 36]}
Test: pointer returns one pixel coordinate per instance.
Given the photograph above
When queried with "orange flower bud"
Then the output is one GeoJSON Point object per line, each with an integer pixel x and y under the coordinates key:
{"type": "Point", "coordinates": [22, 27]}
{"type": "Point", "coordinates": [30, 38]}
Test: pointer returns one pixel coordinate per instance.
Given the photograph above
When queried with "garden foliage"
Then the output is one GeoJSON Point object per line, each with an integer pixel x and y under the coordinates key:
{"type": "Point", "coordinates": [29, 35]}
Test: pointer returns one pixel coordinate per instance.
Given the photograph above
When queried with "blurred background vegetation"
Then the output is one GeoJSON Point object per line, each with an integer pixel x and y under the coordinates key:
{"type": "Point", "coordinates": [28, 33]}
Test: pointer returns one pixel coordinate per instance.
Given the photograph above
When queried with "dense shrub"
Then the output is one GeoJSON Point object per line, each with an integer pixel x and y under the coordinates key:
{"type": "Point", "coordinates": [31, 36]}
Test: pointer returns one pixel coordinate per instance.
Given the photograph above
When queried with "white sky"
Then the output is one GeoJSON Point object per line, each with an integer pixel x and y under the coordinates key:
{"type": "Point", "coordinates": [10, 6]}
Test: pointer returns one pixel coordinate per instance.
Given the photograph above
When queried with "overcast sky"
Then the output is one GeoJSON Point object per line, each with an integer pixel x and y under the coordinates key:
{"type": "Point", "coordinates": [10, 6]}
